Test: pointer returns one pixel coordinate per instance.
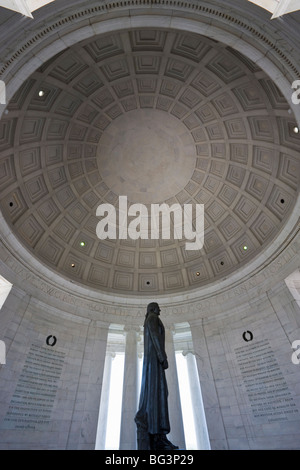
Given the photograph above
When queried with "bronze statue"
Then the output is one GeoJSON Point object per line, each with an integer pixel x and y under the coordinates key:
{"type": "Point", "coordinates": [152, 418]}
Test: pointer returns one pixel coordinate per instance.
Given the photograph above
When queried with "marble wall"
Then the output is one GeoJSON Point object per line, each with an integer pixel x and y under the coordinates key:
{"type": "Point", "coordinates": [51, 383]}
{"type": "Point", "coordinates": [249, 383]}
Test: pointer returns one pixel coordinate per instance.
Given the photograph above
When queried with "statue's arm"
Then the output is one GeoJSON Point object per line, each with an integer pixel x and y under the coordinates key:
{"type": "Point", "coordinates": [154, 334]}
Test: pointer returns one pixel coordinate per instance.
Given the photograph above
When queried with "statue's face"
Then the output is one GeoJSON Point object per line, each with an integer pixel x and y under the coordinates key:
{"type": "Point", "coordinates": [157, 309]}
{"type": "Point", "coordinates": [154, 308]}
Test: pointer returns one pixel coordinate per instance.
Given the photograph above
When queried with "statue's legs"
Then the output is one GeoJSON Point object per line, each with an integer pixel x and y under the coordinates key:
{"type": "Point", "coordinates": [143, 439]}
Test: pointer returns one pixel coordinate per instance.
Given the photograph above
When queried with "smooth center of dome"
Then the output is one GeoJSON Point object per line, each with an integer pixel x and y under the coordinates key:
{"type": "Point", "coordinates": [147, 155]}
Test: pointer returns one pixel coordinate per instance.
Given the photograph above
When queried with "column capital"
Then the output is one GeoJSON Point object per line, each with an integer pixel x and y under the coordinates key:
{"type": "Point", "coordinates": [170, 328]}
{"type": "Point", "coordinates": [101, 324]}
{"type": "Point", "coordinates": [111, 354]}
{"type": "Point", "coordinates": [132, 329]}
{"type": "Point", "coordinates": [188, 351]}
{"type": "Point", "coordinates": [196, 322]}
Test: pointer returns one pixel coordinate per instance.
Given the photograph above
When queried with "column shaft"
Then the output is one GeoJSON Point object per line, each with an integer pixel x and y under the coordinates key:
{"type": "Point", "coordinates": [176, 435]}
{"type": "Point", "coordinates": [129, 402]}
{"type": "Point", "coordinates": [196, 396]}
{"type": "Point", "coordinates": [102, 422]}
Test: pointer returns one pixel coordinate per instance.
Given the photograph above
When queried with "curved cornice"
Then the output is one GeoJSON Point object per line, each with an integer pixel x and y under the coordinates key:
{"type": "Point", "coordinates": [243, 21]}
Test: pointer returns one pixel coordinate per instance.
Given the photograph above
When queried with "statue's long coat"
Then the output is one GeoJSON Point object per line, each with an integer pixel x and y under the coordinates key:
{"type": "Point", "coordinates": [153, 413]}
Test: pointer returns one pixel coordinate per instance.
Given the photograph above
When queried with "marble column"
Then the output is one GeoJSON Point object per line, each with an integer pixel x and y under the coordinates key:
{"type": "Point", "coordinates": [103, 413]}
{"type": "Point", "coordinates": [83, 430]}
{"type": "Point", "coordinates": [197, 403]}
{"type": "Point", "coordinates": [176, 435]}
{"type": "Point", "coordinates": [215, 424]}
{"type": "Point", "coordinates": [129, 401]}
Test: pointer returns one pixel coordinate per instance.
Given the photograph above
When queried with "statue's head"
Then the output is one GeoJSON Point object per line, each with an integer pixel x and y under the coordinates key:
{"type": "Point", "coordinates": [153, 307]}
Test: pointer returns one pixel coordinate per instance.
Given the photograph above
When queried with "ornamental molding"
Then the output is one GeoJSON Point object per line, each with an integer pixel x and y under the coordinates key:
{"type": "Point", "coordinates": [207, 13]}
{"type": "Point", "coordinates": [133, 310]}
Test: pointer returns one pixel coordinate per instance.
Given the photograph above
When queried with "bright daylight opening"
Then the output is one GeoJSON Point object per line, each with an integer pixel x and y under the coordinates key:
{"type": "Point", "coordinates": [186, 403]}
{"type": "Point", "coordinates": [193, 414]}
{"type": "Point", "coordinates": [278, 7]}
{"type": "Point", "coordinates": [5, 288]}
{"type": "Point", "coordinates": [109, 421]}
{"type": "Point", "coordinates": [25, 7]}
{"type": "Point", "coordinates": [112, 440]}
{"type": "Point", "coordinates": [293, 283]}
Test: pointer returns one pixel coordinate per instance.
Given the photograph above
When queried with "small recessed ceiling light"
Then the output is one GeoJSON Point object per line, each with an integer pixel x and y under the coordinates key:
{"type": "Point", "coordinates": [296, 129]}
{"type": "Point", "coordinates": [41, 93]}
{"type": "Point", "coordinates": [73, 265]}
{"type": "Point", "coordinates": [197, 273]}
{"type": "Point", "coordinates": [82, 243]}
{"type": "Point", "coordinates": [245, 247]}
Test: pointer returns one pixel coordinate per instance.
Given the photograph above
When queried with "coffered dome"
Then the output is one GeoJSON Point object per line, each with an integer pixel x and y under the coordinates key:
{"type": "Point", "coordinates": [158, 116]}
